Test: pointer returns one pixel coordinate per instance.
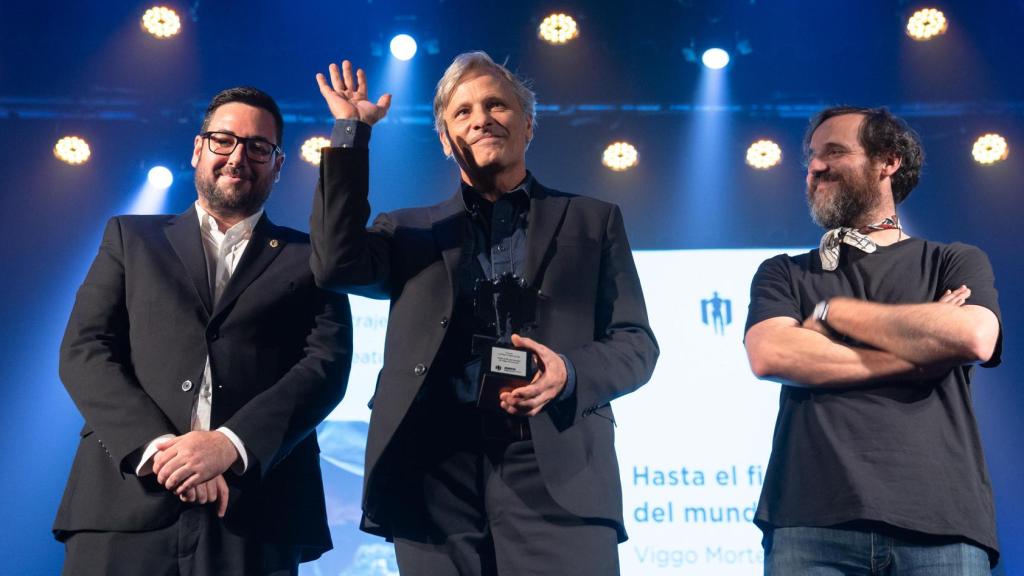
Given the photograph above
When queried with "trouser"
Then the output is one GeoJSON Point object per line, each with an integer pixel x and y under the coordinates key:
{"type": "Point", "coordinates": [197, 544]}
{"type": "Point", "coordinates": [811, 551]}
{"type": "Point", "coordinates": [480, 508]}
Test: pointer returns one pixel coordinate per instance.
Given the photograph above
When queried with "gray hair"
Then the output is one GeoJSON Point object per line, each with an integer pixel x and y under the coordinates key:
{"type": "Point", "coordinates": [468, 62]}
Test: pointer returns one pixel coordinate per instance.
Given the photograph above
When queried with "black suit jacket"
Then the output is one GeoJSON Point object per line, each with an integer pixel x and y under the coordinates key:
{"type": "Point", "coordinates": [590, 308]}
{"type": "Point", "coordinates": [133, 357]}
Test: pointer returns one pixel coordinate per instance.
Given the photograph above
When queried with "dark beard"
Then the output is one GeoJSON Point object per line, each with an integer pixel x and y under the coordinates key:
{"type": "Point", "coordinates": [232, 205]}
{"type": "Point", "coordinates": [855, 198]}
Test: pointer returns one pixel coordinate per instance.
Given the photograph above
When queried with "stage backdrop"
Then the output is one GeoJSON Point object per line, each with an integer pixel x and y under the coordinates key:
{"type": "Point", "coordinates": [693, 443]}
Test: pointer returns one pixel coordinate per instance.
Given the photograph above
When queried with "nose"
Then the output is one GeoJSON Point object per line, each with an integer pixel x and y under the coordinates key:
{"type": "Point", "coordinates": [238, 155]}
{"type": "Point", "coordinates": [480, 118]}
{"type": "Point", "coordinates": [815, 166]}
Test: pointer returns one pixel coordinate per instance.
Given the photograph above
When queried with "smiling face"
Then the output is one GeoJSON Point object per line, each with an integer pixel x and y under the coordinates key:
{"type": "Point", "coordinates": [233, 187]}
{"type": "Point", "coordinates": [843, 183]}
{"type": "Point", "coordinates": [485, 121]}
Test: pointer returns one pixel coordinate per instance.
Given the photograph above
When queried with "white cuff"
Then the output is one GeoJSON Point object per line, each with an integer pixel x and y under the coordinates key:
{"type": "Point", "coordinates": [146, 463]}
{"type": "Point", "coordinates": [242, 464]}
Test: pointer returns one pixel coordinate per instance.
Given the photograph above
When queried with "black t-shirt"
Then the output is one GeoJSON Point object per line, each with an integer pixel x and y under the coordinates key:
{"type": "Point", "coordinates": [908, 456]}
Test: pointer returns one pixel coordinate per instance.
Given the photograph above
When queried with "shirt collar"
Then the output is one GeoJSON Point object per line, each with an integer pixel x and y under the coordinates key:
{"type": "Point", "coordinates": [522, 193]}
{"type": "Point", "coordinates": [243, 229]}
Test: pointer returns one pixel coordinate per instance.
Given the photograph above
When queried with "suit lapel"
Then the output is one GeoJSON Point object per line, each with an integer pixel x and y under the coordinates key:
{"type": "Point", "coordinates": [546, 215]}
{"type": "Point", "coordinates": [186, 240]}
{"type": "Point", "coordinates": [447, 220]}
{"type": "Point", "coordinates": [264, 245]}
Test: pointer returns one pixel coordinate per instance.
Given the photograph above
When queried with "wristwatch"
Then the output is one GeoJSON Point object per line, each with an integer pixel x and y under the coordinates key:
{"type": "Point", "coordinates": [821, 313]}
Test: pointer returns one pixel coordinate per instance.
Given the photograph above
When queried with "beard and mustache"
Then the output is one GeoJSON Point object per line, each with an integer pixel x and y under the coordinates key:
{"type": "Point", "coordinates": [856, 195]}
{"type": "Point", "coordinates": [235, 199]}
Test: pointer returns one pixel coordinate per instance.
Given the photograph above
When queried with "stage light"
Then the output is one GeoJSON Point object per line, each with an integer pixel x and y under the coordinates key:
{"type": "Point", "coordinates": [715, 58]}
{"type": "Point", "coordinates": [764, 154]}
{"type": "Point", "coordinates": [558, 29]}
{"type": "Point", "coordinates": [311, 149]}
{"type": "Point", "coordinates": [990, 148]}
{"type": "Point", "coordinates": [72, 149]}
{"type": "Point", "coordinates": [161, 22]}
{"type": "Point", "coordinates": [926, 24]}
{"type": "Point", "coordinates": [160, 177]}
{"type": "Point", "coordinates": [403, 47]}
{"type": "Point", "coordinates": [620, 156]}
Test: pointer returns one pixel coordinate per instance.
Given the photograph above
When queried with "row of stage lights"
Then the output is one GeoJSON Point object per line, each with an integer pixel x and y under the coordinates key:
{"type": "Point", "coordinates": [559, 29]}
{"type": "Point", "coordinates": [618, 156]}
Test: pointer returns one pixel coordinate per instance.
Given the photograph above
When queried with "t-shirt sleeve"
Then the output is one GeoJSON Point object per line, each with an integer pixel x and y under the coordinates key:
{"type": "Point", "coordinates": [968, 265]}
{"type": "Point", "coordinates": [771, 293]}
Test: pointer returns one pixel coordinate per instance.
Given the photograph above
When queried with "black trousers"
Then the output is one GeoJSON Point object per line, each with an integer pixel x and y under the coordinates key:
{"type": "Point", "coordinates": [474, 508]}
{"type": "Point", "coordinates": [198, 544]}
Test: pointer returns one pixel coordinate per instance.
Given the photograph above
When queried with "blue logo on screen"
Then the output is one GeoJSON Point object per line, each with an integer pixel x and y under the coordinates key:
{"type": "Point", "coordinates": [716, 312]}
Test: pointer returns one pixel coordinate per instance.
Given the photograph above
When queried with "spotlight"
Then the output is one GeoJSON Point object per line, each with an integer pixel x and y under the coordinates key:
{"type": "Point", "coordinates": [620, 156]}
{"type": "Point", "coordinates": [764, 154]}
{"type": "Point", "coordinates": [403, 47]}
{"type": "Point", "coordinates": [558, 29]}
{"type": "Point", "coordinates": [311, 149]}
{"type": "Point", "coordinates": [160, 177]}
{"type": "Point", "coordinates": [926, 24]}
{"type": "Point", "coordinates": [990, 148]}
{"type": "Point", "coordinates": [715, 58]}
{"type": "Point", "coordinates": [72, 149]}
{"type": "Point", "coordinates": [161, 22]}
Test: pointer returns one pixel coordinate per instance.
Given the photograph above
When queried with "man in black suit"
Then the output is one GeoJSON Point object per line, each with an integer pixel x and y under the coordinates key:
{"type": "Point", "coordinates": [465, 478]}
{"type": "Point", "coordinates": [202, 356]}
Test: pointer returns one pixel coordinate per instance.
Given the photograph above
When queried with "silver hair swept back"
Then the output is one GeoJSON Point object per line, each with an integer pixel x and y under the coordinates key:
{"type": "Point", "coordinates": [468, 62]}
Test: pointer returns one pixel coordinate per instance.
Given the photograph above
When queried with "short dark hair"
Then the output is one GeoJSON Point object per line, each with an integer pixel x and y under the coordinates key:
{"type": "Point", "coordinates": [882, 135]}
{"type": "Point", "coordinates": [246, 95]}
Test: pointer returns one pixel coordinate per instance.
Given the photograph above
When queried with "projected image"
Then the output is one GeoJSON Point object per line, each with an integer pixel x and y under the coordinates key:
{"type": "Point", "coordinates": [693, 443]}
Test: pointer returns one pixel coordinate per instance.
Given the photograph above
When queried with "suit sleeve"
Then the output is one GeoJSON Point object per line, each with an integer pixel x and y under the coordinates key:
{"type": "Point", "coordinates": [273, 422]}
{"type": "Point", "coordinates": [95, 360]}
{"type": "Point", "coordinates": [348, 257]}
{"type": "Point", "coordinates": [623, 354]}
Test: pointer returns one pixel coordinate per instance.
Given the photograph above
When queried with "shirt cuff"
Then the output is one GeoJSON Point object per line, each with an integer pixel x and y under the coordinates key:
{"type": "Point", "coordinates": [242, 464]}
{"type": "Point", "coordinates": [570, 379]}
{"type": "Point", "coordinates": [146, 462]}
{"type": "Point", "coordinates": [350, 134]}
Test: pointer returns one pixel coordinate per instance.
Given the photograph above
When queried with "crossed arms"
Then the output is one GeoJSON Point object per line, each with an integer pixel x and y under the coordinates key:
{"type": "Point", "coordinates": [902, 342]}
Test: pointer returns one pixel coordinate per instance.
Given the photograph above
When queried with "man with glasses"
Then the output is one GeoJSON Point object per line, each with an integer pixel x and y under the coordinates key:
{"type": "Point", "coordinates": [202, 356]}
{"type": "Point", "coordinates": [876, 464]}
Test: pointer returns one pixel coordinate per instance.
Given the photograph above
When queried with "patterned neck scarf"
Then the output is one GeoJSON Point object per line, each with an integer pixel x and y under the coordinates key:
{"type": "Point", "coordinates": [828, 249]}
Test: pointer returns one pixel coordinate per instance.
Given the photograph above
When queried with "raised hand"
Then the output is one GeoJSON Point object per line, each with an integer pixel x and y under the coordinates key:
{"type": "Point", "coordinates": [346, 96]}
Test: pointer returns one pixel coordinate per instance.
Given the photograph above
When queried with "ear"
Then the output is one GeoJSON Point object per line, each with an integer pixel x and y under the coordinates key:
{"type": "Point", "coordinates": [197, 150]}
{"type": "Point", "coordinates": [445, 144]}
{"type": "Point", "coordinates": [278, 162]}
{"type": "Point", "coordinates": [890, 165]}
{"type": "Point", "coordinates": [529, 130]}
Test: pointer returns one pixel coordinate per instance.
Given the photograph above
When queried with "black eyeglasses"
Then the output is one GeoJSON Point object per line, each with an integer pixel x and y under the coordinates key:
{"type": "Point", "coordinates": [256, 149]}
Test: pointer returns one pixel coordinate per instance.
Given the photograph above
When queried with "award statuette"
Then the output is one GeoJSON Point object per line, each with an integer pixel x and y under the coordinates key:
{"type": "Point", "coordinates": [504, 306]}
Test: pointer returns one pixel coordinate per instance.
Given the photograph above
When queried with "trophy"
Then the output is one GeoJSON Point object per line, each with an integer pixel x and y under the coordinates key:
{"type": "Point", "coordinates": [503, 306]}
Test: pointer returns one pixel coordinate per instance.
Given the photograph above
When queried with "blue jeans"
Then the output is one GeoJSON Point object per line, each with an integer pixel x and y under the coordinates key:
{"type": "Point", "coordinates": [808, 551]}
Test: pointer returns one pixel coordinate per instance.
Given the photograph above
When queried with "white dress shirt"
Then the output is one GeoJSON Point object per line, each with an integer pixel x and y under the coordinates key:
{"type": "Point", "coordinates": [223, 251]}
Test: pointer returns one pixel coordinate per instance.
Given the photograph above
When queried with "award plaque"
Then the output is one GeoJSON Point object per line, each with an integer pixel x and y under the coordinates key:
{"type": "Point", "coordinates": [504, 306]}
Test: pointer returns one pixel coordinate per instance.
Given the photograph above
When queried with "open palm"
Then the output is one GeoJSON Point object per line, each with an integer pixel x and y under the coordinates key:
{"type": "Point", "coordinates": [346, 96]}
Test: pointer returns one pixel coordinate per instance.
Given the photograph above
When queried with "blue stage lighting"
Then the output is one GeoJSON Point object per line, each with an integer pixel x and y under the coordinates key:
{"type": "Point", "coordinates": [403, 47]}
{"type": "Point", "coordinates": [160, 177]}
{"type": "Point", "coordinates": [715, 58]}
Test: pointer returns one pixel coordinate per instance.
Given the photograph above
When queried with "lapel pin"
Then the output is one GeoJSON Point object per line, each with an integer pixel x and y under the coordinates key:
{"type": "Point", "coordinates": [274, 243]}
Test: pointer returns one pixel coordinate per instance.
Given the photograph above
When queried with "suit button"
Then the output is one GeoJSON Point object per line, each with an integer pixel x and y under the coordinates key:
{"type": "Point", "coordinates": [214, 336]}
{"type": "Point", "coordinates": [186, 385]}
{"type": "Point", "coordinates": [444, 322]}
{"type": "Point", "coordinates": [420, 370]}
